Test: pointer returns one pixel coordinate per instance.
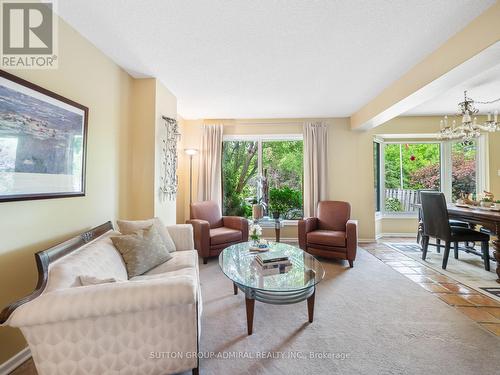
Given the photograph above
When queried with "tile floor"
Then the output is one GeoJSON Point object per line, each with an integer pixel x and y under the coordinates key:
{"type": "Point", "coordinates": [478, 307]}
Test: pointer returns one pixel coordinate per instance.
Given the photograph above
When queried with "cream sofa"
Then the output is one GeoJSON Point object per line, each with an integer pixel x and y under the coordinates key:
{"type": "Point", "coordinates": [146, 325]}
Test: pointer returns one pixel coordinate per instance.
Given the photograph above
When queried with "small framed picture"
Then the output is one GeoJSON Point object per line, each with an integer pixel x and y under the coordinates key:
{"type": "Point", "coordinates": [43, 140]}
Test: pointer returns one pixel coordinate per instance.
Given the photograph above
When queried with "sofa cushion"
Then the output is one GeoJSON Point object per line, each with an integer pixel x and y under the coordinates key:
{"type": "Point", "coordinates": [327, 238]}
{"type": "Point", "coordinates": [224, 235]}
{"type": "Point", "coordinates": [142, 250]}
{"type": "Point", "coordinates": [86, 280]}
{"type": "Point", "coordinates": [98, 258]}
{"type": "Point", "coordinates": [164, 272]}
{"type": "Point", "coordinates": [180, 260]}
{"type": "Point", "coordinates": [129, 227]}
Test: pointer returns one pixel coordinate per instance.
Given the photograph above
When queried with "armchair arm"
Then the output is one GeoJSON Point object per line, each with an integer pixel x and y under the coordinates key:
{"type": "Point", "coordinates": [201, 230]}
{"type": "Point", "coordinates": [106, 299]}
{"type": "Point", "coordinates": [305, 226]}
{"type": "Point", "coordinates": [238, 223]}
{"type": "Point", "coordinates": [352, 238]}
{"type": "Point", "coordinates": [182, 235]}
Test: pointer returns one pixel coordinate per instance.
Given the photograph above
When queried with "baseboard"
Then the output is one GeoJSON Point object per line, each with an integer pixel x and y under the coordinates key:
{"type": "Point", "coordinates": [404, 235]}
{"type": "Point", "coordinates": [365, 240]}
{"type": "Point", "coordinates": [15, 361]}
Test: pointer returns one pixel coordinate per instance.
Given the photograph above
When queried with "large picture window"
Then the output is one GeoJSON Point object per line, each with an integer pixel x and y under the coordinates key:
{"type": "Point", "coordinates": [266, 170]}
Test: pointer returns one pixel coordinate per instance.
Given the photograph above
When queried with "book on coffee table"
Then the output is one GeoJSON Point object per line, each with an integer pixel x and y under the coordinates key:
{"type": "Point", "coordinates": [272, 257]}
{"type": "Point", "coordinates": [275, 271]}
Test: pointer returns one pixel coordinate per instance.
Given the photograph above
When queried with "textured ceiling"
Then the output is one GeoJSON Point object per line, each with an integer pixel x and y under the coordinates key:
{"type": "Point", "coordinates": [270, 58]}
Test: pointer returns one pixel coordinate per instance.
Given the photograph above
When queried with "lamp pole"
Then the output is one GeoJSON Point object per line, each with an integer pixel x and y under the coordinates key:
{"type": "Point", "coordinates": [191, 152]}
{"type": "Point", "coordinates": [190, 179]}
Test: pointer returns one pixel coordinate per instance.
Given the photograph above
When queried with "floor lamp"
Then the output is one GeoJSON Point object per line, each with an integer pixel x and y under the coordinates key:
{"type": "Point", "coordinates": [191, 152]}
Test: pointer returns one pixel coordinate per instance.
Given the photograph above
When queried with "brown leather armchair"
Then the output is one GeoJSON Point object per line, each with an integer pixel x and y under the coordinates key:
{"type": "Point", "coordinates": [214, 232]}
{"type": "Point", "coordinates": [332, 234]}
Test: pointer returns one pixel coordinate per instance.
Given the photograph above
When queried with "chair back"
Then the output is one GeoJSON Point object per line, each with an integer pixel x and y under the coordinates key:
{"type": "Point", "coordinates": [333, 215]}
{"type": "Point", "coordinates": [209, 211]}
{"type": "Point", "coordinates": [435, 215]}
{"type": "Point", "coordinates": [419, 201]}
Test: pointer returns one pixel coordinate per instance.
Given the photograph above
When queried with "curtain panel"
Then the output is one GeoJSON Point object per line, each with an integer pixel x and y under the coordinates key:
{"type": "Point", "coordinates": [209, 171]}
{"type": "Point", "coordinates": [315, 166]}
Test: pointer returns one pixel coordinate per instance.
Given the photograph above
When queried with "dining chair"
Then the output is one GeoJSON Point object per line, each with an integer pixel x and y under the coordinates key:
{"type": "Point", "coordinates": [437, 225]}
{"type": "Point", "coordinates": [454, 223]}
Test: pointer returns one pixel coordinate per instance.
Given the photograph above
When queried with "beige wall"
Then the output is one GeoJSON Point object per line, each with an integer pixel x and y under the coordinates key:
{"type": "Point", "coordinates": [123, 137]}
{"type": "Point", "coordinates": [166, 105]}
{"type": "Point", "coordinates": [142, 153]}
{"type": "Point", "coordinates": [86, 76]}
{"type": "Point", "coordinates": [351, 163]}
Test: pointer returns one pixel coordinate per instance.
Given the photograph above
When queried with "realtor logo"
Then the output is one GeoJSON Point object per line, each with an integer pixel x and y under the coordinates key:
{"type": "Point", "coordinates": [28, 35]}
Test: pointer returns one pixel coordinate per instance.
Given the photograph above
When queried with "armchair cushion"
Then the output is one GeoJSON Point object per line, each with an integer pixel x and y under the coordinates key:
{"type": "Point", "coordinates": [327, 238]}
{"type": "Point", "coordinates": [333, 215]}
{"type": "Point", "coordinates": [235, 222]}
{"type": "Point", "coordinates": [224, 235]}
{"type": "Point", "coordinates": [208, 211]}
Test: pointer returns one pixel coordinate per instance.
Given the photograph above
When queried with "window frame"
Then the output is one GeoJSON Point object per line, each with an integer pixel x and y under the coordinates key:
{"type": "Point", "coordinates": [261, 138]}
{"type": "Point", "coordinates": [445, 166]}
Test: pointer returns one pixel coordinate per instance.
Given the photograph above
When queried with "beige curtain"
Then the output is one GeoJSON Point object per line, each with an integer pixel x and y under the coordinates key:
{"type": "Point", "coordinates": [209, 170]}
{"type": "Point", "coordinates": [315, 166]}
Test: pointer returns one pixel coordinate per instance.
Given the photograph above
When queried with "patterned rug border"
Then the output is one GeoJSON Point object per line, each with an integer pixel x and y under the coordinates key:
{"type": "Point", "coordinates": [483, 290]}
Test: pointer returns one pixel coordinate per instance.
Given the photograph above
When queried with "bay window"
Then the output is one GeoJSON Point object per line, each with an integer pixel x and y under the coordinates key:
{"type": "Point", "coordinates": [405, 167]}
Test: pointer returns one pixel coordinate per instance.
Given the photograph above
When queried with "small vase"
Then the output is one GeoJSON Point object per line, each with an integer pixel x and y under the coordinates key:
{"type": "Point", "coordinates": [257, 211]}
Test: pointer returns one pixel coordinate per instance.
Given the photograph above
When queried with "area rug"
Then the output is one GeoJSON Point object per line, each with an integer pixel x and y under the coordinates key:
{"type": "Point", "coordinates": [368, 320]}
{"type": "Point", "coordinates": [468, 269]}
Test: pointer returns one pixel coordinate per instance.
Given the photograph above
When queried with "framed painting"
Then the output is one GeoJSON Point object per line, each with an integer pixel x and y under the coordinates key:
{"type": "Point", "coordinates": [43, 140]}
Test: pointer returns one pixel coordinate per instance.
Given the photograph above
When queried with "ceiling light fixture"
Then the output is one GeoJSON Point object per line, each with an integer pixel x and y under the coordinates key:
{"type": "Point", "coordinates": [469, 129]}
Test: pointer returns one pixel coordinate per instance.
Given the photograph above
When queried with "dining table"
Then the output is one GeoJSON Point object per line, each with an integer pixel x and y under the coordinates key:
{"type": "Point", "coordinates": [487, 218]}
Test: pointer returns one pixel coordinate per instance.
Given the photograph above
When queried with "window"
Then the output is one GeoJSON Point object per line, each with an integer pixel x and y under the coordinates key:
{"type": "Point", "coordinates": [282, 163]}
{"type": "Point", "coordinates": [463, 169]}
{"type": "Point", "coordinates": [239, 177]}
{"type": "Point", "coordinates": [376, 174]}
{"type": "Point", "coordinates": [407, 167]}
{"type": "Point", "coordinates": [263, 169]}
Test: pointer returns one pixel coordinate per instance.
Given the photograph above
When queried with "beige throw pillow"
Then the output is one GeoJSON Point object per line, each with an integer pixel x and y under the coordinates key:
{"type": "Point", "coordinates": [129, 227]}
{"type": "Point", "coordinates": [142, 250]}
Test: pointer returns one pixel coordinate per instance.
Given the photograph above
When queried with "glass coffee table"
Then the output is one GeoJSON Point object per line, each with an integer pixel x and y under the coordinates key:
{"type": "Point", "coordinates": [296, 285]}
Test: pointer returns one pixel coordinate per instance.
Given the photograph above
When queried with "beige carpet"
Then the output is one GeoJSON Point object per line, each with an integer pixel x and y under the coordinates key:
{"type": "Point", "coordinates": [368, 320]}
{"type": "Point", "coordinates": [374, 318]}
{"type": "Point", "coordinates": [467, 269]}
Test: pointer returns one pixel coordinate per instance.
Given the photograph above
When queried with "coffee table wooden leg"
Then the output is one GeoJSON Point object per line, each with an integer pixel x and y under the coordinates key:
{"type": "Point", "coordinates": [235, 289]}
{"type": "Point", "coordinates": [310, 306]}
{"type": "Point", "coordinates": [250, 304]}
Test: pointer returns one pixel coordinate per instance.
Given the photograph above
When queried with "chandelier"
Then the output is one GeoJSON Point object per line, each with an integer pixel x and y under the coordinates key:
{"type": "Point", "coordinates": [469, 128]}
